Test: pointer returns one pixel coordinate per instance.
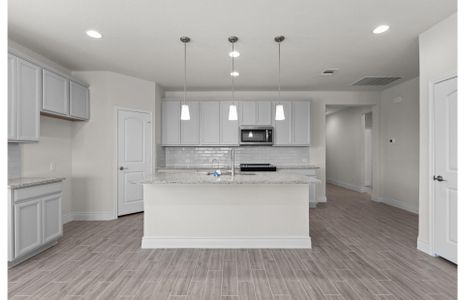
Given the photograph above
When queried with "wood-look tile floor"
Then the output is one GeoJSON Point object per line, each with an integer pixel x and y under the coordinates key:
{"type": "Point", "coordinates": [361, 250]}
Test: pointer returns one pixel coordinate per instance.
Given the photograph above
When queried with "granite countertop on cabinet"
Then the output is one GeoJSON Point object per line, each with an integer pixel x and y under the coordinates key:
{"type": "Point", "coordinates": [23, 182]}
{"type": "Point", "coordinates": [196, 177]}
{"type": "Point", "coordinates": [297, 167]}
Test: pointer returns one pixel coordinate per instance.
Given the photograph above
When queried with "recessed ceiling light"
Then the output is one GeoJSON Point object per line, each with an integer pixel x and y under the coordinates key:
{"type": "Point", "coordinates": [234, 73]}
{"type": "Point", "coordinates": [94, 34]}
{"type": "Point", "coordinates": [381, 29]}
{"type": "Point", "coordinates": [234, 54]}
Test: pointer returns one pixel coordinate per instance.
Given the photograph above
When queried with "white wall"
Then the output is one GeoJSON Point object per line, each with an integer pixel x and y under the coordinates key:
{"type": "Point", "coordinates": [93, 146]}
{"type": "Point", "coordinates": [345, 148]}
{"type": "Point", "coordinates": [399, 119]}
{"type": "Point", "coordinates": [438, 58]}
{"type": "Point", "coordinates": [317, 151]}
{"type": "Point", "coordinates": [54, 147]}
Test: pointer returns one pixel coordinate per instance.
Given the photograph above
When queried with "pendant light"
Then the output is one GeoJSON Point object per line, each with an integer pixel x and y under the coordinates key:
{"type": "Point", "coordinates": [279, 107]}
{"type": "Point", "coordinates": [185, 114]}
{"type": "Point", "coordinates": [232, 116]}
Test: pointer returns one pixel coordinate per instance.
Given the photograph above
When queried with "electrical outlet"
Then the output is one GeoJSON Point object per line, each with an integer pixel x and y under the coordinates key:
{"type": "Point", "coordinates": [392, 141]}
{"type": "Point", "coordinates": [52, 166]}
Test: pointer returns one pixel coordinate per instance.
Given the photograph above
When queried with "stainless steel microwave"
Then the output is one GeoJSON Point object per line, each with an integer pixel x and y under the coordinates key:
{"type": "Point", "coordinates": [256, 135]}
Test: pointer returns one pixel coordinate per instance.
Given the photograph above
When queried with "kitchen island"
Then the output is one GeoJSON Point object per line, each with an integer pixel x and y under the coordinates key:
{"type": "Point", "coordinates": [196, 210]}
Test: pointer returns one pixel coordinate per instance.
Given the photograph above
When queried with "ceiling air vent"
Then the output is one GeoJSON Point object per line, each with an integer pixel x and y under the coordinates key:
{"type": "Point", "coordinates": [329, 72]}
{"type": "Point", "coordinates": [375, 80]}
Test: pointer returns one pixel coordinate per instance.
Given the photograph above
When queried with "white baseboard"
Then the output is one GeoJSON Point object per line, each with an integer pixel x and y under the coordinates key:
{"type": "Point", "coordinates": [66, 218]}
{"type": "Point", "coordinates": [322, 199]}
{"type": "Point", "coordinates": [93, 216]}
{"type": "Point", "coordinates": [425, 247]}
{"type": "Point", "coordinates": [227, 242]}
{"type": "Point", "coordinates": [349, 186]}
{"type": "Point", "coordinates": [399, 204]}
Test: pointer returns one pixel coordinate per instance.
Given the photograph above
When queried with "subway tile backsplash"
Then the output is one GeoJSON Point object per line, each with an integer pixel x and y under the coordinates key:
{"type": "Point", "coordinates": [14, 160]}
{"type": "Point", "coordinates": [199, 157]}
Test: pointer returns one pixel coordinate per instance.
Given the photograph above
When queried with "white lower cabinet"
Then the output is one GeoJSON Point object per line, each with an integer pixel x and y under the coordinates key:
{"type": "Point", "coordinates": [52, 227]}
{"type": "Point", "coordinates": [27, 227]}
{"type": "Point", "coordinates": [35, 219]}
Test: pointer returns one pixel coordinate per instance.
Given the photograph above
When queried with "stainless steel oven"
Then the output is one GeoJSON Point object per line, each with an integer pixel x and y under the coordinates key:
{"type": "Point", "coordinates": [256, 135]}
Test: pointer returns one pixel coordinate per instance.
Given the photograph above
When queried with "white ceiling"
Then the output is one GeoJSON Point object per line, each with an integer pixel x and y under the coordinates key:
{"type": "Point", "coordinates": [141, 38]}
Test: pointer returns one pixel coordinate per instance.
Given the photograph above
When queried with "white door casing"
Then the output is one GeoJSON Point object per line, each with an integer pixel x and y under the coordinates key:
{"type": "Point", "coordinates": [445, 168]}
{"type": "Point", "coordinates": [134, 158]}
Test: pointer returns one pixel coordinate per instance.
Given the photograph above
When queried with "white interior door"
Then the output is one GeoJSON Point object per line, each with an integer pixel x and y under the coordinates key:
{"type": "Point", "coordinates": [134, 158]}
{"type": "Point", "coordinates": [445, 168]}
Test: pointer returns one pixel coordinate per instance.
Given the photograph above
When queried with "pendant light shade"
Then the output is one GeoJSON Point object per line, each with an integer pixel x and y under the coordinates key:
{"type": "Point", "coordinates": [185, 114]}
{"type": "Point", "coordinates": [280, 113]}
{"type": "Point", "coordinates": [232, 112]}
{"type": "Point", "coordinates": [232, 116]}
{"type": "Point", "coordinates": [280, 116]}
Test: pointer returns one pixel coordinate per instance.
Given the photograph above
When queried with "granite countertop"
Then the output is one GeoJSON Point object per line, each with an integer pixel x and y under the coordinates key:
{"type": "Point", "coordinates": [196, 177]}
{"type": "Point", "coordinates": [23, 182]}
{"type": "Point", "coordinates": [297, 167]}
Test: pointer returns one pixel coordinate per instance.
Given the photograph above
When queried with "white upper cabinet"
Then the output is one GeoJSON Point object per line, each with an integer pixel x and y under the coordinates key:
{"type": "Point", "coordinates": [78, 101]}
{"type": "Point", "coordinates": [301, 123]}
{"type": "Point", "coordinates": [255, 113]}
{"type": "Point", "coordinates": [55, 93]}
{"type": "Point", "coordinates": [247, 112]}
{"type": "Point", "coordinates": [283, 128]}
{"type": "Point", "coordinates": [263, 113]}
{"type": "Point", "coordinates": [209, 123]}
{"type": "Point", "coordinates": [171, 130]}
{"type": "Point", "coordinates": [190, 128]}
{"type": "Point", "coordinates": [229, 129]}
{"type": "Point", "coordinates": [12, 129]}
{"type": "Point", "coordinates": [28, 98]}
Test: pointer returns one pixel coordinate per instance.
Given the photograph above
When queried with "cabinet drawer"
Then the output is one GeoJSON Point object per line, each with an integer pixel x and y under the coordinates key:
{"type": "Point", "coordinates": [36, 191]}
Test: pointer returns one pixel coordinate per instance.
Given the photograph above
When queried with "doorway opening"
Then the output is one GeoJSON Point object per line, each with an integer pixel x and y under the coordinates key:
{"type": "Point", "coordinates": [349, 147]}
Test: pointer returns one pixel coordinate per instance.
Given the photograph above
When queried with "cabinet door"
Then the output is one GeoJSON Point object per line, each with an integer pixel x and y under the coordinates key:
{"type": "Point", "coordinates": [190, 128]}
{"type": "Point", "coordinates": [28, 99]}
{"type": "Point", "coordinates": [12, 117]}
{"type": "Point", "coordinates": [171, 123]}
{"type": "Point", "coordinates": [28, 226]}
{"type": "Point", "coordinates": [263, 113]}
{"type": "Point", "coordinates": [51, 218]}
{"type": "Point", "coordinates": [210, 123]}
{"type": "Point", "coordinates": [283, 128]}
{"type": "Point", "coordinates": [55, 93]}
{"type": "Point", "coordinates": [229, 130]}
{"type": "Point", "coordinates": [78, 101]}
{"type": "Point", "coordinates": [248, 112]}
{"type": "Point", "coordinates": [301, 123]}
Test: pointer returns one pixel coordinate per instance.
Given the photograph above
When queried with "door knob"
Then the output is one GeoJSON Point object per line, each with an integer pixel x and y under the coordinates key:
{"type": "Point", "coordinates": [438, 178]}
{"type": "Point", "coordinates": [122, 168]}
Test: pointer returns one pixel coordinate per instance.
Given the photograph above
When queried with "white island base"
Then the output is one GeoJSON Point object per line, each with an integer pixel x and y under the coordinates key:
{"type": "Point", "coordinates": [226, 216]}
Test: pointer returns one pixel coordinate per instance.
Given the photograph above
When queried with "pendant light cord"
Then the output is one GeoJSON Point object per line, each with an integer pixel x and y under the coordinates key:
{"type": "Point", "coordinates": [185, 72]}
{"type": "Point", "coordinates": [232, 70]}
{"type": "Point", "coordinates": [279, 70]}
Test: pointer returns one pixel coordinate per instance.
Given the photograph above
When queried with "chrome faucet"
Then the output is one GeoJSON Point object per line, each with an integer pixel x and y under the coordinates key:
{"type": "Point", "coordinates": [233, 162]}
{"type": "Point", "coordinates": [217, 165]}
